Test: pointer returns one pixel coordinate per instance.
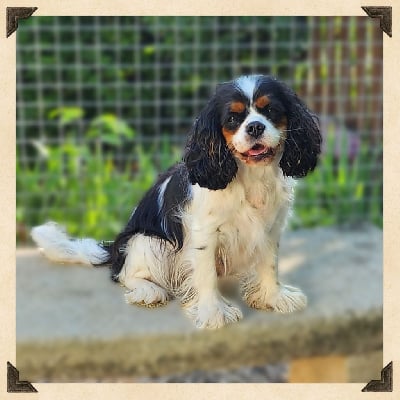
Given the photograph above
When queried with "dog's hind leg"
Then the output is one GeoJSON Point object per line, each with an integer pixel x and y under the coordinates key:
{"type": "Point", "coordinates": [143, 261]}
{"type": "Point", "coordinates": [144, 292]}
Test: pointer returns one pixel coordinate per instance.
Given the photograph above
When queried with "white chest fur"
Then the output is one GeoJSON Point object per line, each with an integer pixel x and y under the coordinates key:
{"type": "Point", "coordinates": [243, 215]}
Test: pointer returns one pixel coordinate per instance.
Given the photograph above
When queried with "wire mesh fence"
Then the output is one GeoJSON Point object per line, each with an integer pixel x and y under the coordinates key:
{"type": "Point", "coordinates": [104, 104]}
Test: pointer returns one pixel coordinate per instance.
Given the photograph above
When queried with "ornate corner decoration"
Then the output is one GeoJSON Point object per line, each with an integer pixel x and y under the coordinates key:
{"type": "Point", "coordinates": [386, 382]}
{"type": "Point", "coordinates": [14, 385]}
{"type": "Point", "coordinates": [385, 16]}
{"type": "Point", "coordinates": [14, 14]}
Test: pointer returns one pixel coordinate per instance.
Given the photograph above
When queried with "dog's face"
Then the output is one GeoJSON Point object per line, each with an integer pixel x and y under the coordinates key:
{"type": "Point", "coordinates": [255, 120]}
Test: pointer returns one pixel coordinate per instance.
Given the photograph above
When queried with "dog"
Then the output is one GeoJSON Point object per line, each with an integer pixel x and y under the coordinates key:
{"type": "Point", "coordinates": [219, 212]}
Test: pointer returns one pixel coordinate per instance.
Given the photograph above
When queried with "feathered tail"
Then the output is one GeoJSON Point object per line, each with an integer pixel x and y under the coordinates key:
{"type": "Point", "coordinates": [56, 245]}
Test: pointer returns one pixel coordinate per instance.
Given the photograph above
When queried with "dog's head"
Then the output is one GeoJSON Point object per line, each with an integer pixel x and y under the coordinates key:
{"type": "Point", "coordinates": [256, 120]}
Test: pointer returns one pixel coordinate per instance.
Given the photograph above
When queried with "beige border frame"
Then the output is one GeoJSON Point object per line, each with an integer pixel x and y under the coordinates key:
{"type": "Point", "coordinates": [391, 145]}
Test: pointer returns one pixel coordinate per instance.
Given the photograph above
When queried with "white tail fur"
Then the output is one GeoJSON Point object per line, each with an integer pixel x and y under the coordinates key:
{"type": "Point", "coordinates": [54, 242]}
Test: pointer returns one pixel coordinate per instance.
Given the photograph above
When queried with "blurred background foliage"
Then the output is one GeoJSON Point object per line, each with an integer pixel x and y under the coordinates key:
{"type": "Point", "coordinates": [104, 105]}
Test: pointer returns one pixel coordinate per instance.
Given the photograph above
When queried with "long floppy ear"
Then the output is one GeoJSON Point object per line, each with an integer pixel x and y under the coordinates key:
{"type": "Point", "coordinates": [303, 140]}
{"type": "Point", "coordinates": [209, 161]}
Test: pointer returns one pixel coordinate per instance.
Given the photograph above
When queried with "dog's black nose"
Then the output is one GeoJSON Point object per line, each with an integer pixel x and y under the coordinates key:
{"type": "Point", "coordinates": [255, 129]}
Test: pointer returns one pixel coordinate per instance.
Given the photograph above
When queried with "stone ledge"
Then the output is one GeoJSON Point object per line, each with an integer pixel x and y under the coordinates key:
{"type": "Point", "coordinates": [73, 325]}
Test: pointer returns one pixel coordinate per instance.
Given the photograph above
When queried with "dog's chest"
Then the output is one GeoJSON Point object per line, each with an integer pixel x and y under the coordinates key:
{"type": "Point", "coordinates": [240, 217]}
{"type": "Point", "coordinates": [251, 211]}
{"type": "Point", "coordinates": [255, 202]}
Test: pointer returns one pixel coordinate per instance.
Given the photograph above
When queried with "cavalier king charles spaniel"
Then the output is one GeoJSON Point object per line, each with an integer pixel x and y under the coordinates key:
{"type": "Point", "coordinates": [219, 212]}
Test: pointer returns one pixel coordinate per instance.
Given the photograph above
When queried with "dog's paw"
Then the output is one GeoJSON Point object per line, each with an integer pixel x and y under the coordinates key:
{"type": "Point", "coordinates": [284, 299]}
{"type": "Point", "coordinates": [146, 293]}
{"type": "Point", "coordinates": [288, 299]}
{"type": "Point", "coordinates": [214, 314]}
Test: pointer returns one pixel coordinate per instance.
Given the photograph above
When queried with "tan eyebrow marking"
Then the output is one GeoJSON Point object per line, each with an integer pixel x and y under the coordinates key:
{"type": "Point", "coordinates": [237, 106]}
{"type": "Point", "coordinates": [262, 101]}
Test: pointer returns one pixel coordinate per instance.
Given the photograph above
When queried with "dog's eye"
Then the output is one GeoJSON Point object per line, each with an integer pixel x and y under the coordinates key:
{"type": "Point", "coordinates": [233, 120]}
{"type": "Point", "coordinates": [273, 113]}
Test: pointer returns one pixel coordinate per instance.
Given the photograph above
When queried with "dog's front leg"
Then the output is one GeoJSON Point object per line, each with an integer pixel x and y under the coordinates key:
{"type": "Point", "coordinates": [208, 308]}
{"type": "Point", "coordinates": [261, 287]}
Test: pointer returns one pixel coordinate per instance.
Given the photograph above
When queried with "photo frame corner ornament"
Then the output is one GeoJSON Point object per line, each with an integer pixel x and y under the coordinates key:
{"type": "Point", "coordinates": [384, 13]}
{"type": "Point", "coordinates": [385, 384]}
{"type": "Point", "coordinates": [14, 385]}
{"type": "Point", "coordinates": [14, 14]}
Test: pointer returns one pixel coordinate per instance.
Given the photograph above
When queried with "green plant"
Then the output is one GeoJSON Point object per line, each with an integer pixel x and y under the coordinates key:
{"type": "Point", "coordinates": [80, 185]}
{"type": "Point", "coordinates": [341, 191]}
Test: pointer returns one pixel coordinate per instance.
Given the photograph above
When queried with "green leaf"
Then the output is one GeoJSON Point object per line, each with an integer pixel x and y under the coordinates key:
{"type": "Point", "coordinates": [66, 115]}
{"type": "Point", "coordinates": [149, 50]}
{"type": "Point", "coordinates": [110, 129]}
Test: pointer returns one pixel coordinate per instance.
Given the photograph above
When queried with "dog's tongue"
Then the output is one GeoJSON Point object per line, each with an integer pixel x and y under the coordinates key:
{"type": "Point", "coordinates": [257, 150]}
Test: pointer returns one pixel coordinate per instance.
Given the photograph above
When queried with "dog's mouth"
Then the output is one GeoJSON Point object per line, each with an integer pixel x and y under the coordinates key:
{"type": "Point", "coordinates": [259, 152]}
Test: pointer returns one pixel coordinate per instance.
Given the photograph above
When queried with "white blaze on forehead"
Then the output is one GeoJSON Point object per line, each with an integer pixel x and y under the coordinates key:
{"type": "Point", "coordinates": [247, 84]}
